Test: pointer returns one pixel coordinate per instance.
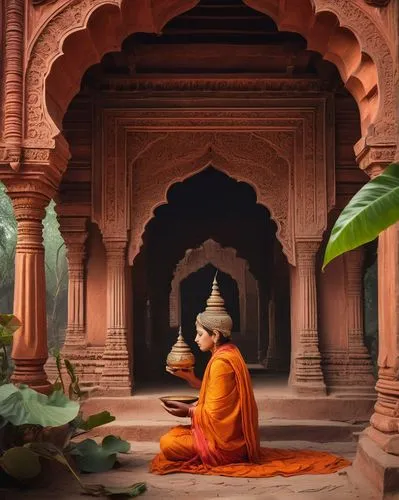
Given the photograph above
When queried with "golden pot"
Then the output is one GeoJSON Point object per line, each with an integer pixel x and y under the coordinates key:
{"type": "Point", "coordinates": [180, 355]}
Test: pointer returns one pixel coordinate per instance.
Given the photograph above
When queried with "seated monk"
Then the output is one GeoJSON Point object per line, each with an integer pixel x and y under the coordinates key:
{"type": "Point", "coordinates": [223, 438]}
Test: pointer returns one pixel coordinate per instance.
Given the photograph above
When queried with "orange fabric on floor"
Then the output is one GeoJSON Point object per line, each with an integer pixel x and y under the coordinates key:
{"type": "Point", "coordinates": [224, 439]}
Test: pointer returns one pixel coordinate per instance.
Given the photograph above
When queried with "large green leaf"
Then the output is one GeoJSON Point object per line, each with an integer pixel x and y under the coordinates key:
{"type": "Point", "coordinates": [374, 208]}
{"type": "Point", "coordinates": [92, 457]}
{"type": "Point", "coordinates": [22, 405]}
{"type": "Point", "coordinates": [96, 420]}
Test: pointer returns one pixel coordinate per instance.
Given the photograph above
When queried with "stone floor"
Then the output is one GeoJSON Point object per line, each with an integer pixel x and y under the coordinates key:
{"type": "Point", "coordinates": [134, 468]}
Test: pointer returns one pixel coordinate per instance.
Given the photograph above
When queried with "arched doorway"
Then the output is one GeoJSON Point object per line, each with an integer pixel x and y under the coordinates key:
{"type": "Point", "coordinates": [207, 205]}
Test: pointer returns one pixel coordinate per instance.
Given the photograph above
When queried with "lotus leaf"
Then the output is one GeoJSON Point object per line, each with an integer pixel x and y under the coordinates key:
{"type": "Point", "coordinates": [22, 405]}
{"type": "Point", "coordinates": [92, 457]}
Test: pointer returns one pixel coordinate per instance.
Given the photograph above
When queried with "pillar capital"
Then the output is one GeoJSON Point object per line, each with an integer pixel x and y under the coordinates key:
{"type": "Point", "coordinates": [374, 158]}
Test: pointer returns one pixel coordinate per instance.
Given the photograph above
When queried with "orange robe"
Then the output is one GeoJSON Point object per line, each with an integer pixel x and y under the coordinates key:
{"type": "Point", "coordinates": [224, 436]}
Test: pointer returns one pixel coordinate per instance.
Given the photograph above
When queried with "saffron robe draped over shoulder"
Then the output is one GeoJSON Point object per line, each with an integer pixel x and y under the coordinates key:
{"type": "Point", "coordinates": [224, 437]}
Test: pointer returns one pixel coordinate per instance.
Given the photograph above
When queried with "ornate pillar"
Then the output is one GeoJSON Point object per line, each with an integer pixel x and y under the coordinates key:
{"type": "Point", "coordinates": [74, 232]}
{"type": "Point", "coordinates": [385, 420]}
{"type": "Point", "coordinates": [13, 84]}
{"type": "Point", "coordinates": [115, 377]}
{"type": "Point", "coordinates": [29, 350]}
{"type": "Point", "coordinates": [307, 376]}
{"type": "Point", "coordinates": [360, 370]}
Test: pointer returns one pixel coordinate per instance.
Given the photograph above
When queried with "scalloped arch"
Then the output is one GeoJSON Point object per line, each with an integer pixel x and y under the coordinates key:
{"type": "Point", "coordinates": [116, 19]}
{"type": "Point", "coordinates": [272, 191]}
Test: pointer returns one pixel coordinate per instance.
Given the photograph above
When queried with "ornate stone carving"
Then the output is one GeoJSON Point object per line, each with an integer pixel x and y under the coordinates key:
{"type": "Point", "coordinates": [282, 85]}
{"type": "Point", "coordinates": [374, 158]}
{"type": "Point", "coordinates": [40, 129]}
{"type": "Point", "coordinates": [372, 41]}
{"type": "Point", "coordinates": [307, 376]}
{"type": "Point", "coordinates": [13, 88]}
{"type": "Point", "coordinates": [116, 371]}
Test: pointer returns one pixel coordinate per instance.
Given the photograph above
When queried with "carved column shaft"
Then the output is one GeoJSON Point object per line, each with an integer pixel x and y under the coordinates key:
{"type": "Point", "coordinates": [308, 376]}
{"type": "Point", "coordinates": [29, 350]}
{"type": "Point", "coordinates": [76, 328]}
{"type": "Point", "coordinates": [14, 79]}
{"type": "Point", "coordinates": [116, 372]}
{"type": "Point", "coordinates": [360, 371]}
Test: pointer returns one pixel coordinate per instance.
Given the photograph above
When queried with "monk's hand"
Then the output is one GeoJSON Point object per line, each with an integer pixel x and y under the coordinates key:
{"type": "Point", "coordinates": [176, 408]}
{"type": "Point", "coordinates": [184, 373]}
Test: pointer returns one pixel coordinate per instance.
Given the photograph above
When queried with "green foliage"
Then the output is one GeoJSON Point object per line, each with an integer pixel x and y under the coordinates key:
{"type": "Point", "coordinates": [92, 457]}
{"type": "Point", "coordinates": [96, 420]}
{"type": "Point", "coordinates": [8, 240]}
{"type": "Point", "coordinates": [9, 324]}
{"type": "Point", "coordinates": [22, 405]}
{"type": "Point", "coordinates": [374, 208]}
{"type": "Point", "coordinates": [21, 463]}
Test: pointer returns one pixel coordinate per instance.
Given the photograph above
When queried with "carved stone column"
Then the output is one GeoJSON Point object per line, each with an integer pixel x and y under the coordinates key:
{"type": "Point", "coordinates": [29, 350]}
{"type": "Point", "coordinates": [307, 376]}
{"type": "Point", "coordinates": [13, 83]}
{"type": "Point", "coordinates": [385, 420]}
{"type": "Point", "coordinates": [74, 232]}
{"type": "Point", "coordinates": [116, 371]}
{"type": "Point", "coordinates": [360, 370]}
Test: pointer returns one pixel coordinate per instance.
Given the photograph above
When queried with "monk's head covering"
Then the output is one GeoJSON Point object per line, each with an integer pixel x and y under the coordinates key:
{"type": "Point", "coordinates": [215, 316]}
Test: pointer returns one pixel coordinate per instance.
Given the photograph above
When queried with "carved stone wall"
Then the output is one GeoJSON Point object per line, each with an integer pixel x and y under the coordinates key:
{"type": "Point", "coordinates": [281, 153]}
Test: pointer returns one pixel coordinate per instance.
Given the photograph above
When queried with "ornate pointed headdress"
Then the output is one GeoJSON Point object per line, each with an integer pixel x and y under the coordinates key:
{"type": "Point", "coordinates": [215, 316]}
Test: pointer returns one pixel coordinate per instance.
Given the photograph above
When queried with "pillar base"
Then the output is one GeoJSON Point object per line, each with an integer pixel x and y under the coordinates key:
{"type": "Point", "coordinates": [379, 468]}
{"type": "Point", "coordinates": [388, 442]}
{"type": "Point", "coordinates": [31, 373]}
{"type": "Point", "coordinates": [310, 388]}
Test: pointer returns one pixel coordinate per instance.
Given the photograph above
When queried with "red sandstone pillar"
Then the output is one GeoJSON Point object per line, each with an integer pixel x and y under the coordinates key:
{"type": "Point", "coordinates": [29, 350]}
{"type": "Point", "coordinates": [385, 420]}
{"type": "Point", "coordinates": [74, 232]}
{"type": "Point", "coordinates": [307, 376]}
{"type": "Point", "coordinates": [115, 377]}
{"type": "Point", "coordinates": [359, 371]}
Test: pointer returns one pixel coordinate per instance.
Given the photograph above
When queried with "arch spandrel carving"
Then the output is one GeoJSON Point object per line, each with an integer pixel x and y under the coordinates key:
{"type": "Point", "coordinates": [244, 156]}
{"type": "Point", "coordinates": [40, 129]}
{"type": "Point", "coordinates": [373, 42]}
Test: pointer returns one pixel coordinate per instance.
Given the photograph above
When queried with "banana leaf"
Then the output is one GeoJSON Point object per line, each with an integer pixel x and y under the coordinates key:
{"type": "Point", "coordinates": [373, 208]}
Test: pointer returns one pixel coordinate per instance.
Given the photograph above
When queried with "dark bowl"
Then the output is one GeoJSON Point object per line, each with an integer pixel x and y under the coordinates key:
{"type": "Point", "coordinates": [180, 399]}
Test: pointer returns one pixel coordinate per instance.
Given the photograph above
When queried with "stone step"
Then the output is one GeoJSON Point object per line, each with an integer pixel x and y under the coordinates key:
{"type": "Point", "coordinates": [343, 409]}
{"type": "Point", "coordinates": [149, 428]}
